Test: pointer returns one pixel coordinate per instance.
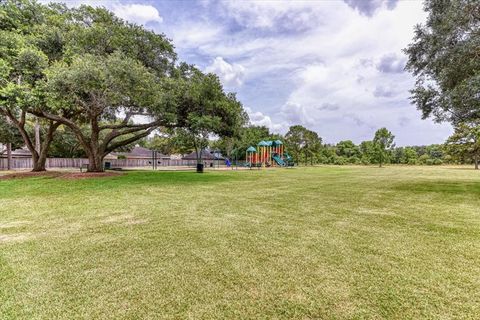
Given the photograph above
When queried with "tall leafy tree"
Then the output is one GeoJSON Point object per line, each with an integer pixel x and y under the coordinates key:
{"type": "Point", "coordinates": [348, 150]}
{"type": "Point", "coordinates": [313, 145]}
{"type": "Point", "coordinates": [108, 73]}
{"type": "Point", "coordinates": [295, 141]}
{"type": "Point", "coordinates": [367, 151]}
{"type": "Point", "coordinates": [89, 96]}
{"type": "Point", "coordinates": [204, 108]}
{"type": "Point", "coordinates": [465, 141]}
{"type": "Point", "coordinates": [383, 145]}
{"type": "Point", "coordinates": [444, 59]}
{"type": "Point", "coordinates": [303, 143]}
{"type": "Point", "coordinates": [22, 66]}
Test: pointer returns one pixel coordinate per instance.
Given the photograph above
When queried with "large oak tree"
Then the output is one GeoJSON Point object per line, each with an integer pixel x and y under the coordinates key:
{"type": "Point", "coordinates": [107, 75]}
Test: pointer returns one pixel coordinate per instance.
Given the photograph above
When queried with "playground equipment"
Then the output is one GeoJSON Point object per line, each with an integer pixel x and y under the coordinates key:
{"type": "Point", "coordinates": [268, 153]}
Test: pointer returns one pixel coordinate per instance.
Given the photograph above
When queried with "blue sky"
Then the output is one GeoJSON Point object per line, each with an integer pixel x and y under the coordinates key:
{"type": "Point", "coordinates": [335, 66]}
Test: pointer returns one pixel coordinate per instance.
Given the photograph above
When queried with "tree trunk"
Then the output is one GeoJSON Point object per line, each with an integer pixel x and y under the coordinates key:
{"type": "Point", "coordinates": [39, 163]}
{"type": "Point", "coordinates": [40, 158]}
{"type": "Point", "coordinates": [37, 136]}
{"type": "Point", "coordinates": [9, 156]}
{"type": "Point", "coordinates": [476, 161]}
{"type": "Point", "coordinates": [95, 162]}
{"type": "Point", "coordinates": [39, 154]}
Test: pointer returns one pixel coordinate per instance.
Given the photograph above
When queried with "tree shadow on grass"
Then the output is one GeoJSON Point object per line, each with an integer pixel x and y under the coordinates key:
{"type": "Point", "coordinates": [47, 186]}
{"type": "Point", "coordinates": [441, 187]}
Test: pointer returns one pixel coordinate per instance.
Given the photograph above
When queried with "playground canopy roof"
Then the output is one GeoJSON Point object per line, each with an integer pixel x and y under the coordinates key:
{"type": "Point", "coordinates": [251, 149]}
{"type": "Point", "coordinates": [278, 143]}
{"type": "Point", "coordinates": [262, 144]}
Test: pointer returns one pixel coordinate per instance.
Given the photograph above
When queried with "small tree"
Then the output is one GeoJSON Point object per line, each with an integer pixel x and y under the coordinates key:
{"type": "Point", "coordinates": [383, 144]}
{"type": "Point", "coordinates": [465, 141]}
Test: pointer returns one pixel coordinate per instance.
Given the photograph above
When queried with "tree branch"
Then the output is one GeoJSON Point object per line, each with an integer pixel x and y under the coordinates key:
{"type": "Point", "coordinates": [127, 141]}
{"type": "Point", "coordinates": [76, 129]}
{"type": "Point", "coordinates": [20, 124]}
{"type": "Point", "coordinates": [130, 129]}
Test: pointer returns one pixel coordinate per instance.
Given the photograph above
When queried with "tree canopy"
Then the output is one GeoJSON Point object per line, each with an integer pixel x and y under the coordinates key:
{"type": "Point", "coordinates": [444, 57]}
{"type": "Point", "coordinates": [22, 67]}
{"type": "Point", "coordinates": [9, 134]}
{"type": "Point", "coordinates": [108, 81]}
{"type": "Point", "coordinates": [465, 141]}
{"type": "Point", "coordinates": [383, 145]}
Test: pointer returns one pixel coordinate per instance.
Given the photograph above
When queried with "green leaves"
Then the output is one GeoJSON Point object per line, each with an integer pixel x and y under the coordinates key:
{"type": "Point", "coordinates": [383, 144]}
{"type": "Point", "coordinates": [465, 141]}
{"type": "Point", "coordinates": [444, 59]}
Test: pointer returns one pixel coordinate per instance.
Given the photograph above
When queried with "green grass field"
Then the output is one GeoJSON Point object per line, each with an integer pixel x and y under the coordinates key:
{"type": "Point", "coordinates": [326, 242]}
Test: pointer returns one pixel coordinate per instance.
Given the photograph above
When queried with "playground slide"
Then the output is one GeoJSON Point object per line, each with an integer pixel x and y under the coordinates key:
{"type": "Point", "coordinates": [288, 159]}
{"type": "Point", "coordinates": [279, 160]}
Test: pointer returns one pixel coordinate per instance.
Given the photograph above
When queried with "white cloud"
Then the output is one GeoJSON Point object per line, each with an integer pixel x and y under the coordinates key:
{"type": "Point", "coordinates": [369, 7]}
{"type": "Point", "coordinates": [132, 12]}
{"type": "Point", "coordinates": [345, 71]}
{"type": "Point", "coordinates": [138, 13]}
{"type": "Point", "coordinates": [333, 66]}
{"type": "Point", "coordinates": [258, 118]}
{"type": "Point", "coordinates": [230, 74]}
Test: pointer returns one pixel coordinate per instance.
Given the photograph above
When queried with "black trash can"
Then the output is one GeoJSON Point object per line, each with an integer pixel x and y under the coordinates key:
{"type": "Point", "coordinates": [200, 167]}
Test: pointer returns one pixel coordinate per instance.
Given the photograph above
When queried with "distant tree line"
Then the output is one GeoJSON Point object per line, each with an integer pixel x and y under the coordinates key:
{"type": "Point", "coordinates": [308, 148]}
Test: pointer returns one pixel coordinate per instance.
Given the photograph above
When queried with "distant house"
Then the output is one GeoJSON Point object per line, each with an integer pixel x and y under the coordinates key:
{"type": "Point", "coordinates": [139, 153]}
{"type": "Point", "coordinates": [208, 157]}
{"type": "Point", "coordinates": [18, 153]}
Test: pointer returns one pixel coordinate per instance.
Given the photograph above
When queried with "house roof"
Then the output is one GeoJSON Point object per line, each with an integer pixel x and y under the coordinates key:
{"type": "Point", "coordinates": [205, 155]}
{"type": "Point", "coordinates": [21, 153]}
{"type": "Point", "coordinates": [139, 152]}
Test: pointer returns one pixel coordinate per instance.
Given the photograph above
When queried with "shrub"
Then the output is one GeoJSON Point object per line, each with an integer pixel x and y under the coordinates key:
{"type": "Point", "coordinates": [340, 161]}
{"type": "Point", "coordinates": [365, 161]}
{"type": "Point", "coordinates": [354, 160]}
{"type": "Point", "coordinates": [437, 162]}
{"type": "Point", "coordinates": [412, 162]}
{"type": "Point", "coordinates": [423, 159]}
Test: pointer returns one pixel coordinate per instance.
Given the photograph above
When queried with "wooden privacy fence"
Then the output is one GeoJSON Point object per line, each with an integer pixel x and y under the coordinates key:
{"type": "Point", "coordinates": [26, 163]}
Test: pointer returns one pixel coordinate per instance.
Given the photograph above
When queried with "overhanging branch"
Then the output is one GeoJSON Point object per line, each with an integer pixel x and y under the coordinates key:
{"type": "Point", "coordinates": [125, 142]}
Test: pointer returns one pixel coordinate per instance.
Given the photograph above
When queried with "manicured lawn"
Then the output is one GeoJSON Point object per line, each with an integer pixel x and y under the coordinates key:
{"type": "Point", "coordinates": [327, 242]}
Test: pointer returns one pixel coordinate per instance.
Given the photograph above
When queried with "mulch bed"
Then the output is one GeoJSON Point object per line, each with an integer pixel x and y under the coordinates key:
{"type": "Point", "coordinates": [88, 175]}
{"type": "Point", "coordinates": [28, 174]}
{"type": "Point", "coordinates": [58, 174]}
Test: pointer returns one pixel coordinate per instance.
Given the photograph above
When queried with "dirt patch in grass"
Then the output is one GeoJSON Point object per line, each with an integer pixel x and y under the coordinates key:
{"type": "Point", "coordinates": [13, 224]}
{"type": "Point", "coordinates": [87, 175]}
{"type": "Point", "coordinates": [126, 219]}
{"type": "Point", "coordinates": [29, 174]}
{"type": "Point", "coordinates": [16, 237]}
